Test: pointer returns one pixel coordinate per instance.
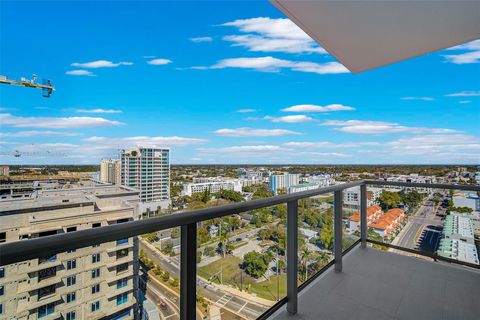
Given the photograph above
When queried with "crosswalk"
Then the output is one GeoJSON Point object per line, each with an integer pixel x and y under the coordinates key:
{"type": "Point", "coordinates": [224, 300]}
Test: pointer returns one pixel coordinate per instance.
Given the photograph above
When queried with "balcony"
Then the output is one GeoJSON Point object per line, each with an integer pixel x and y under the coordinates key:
{"type": "Point", "coordinates": [376, 284]}
{"type": "Point", "coordinates": [359, 281]}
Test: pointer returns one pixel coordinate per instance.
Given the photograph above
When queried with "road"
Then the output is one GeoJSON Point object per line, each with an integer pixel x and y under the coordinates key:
{"type": "Point", "coordinates": [421, 231]}
{"type": "Point", "coordinates": [223, 300]}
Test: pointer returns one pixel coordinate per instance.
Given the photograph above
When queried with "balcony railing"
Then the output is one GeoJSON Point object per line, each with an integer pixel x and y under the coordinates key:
{"type": "Point", "coordinates": [15, 252]}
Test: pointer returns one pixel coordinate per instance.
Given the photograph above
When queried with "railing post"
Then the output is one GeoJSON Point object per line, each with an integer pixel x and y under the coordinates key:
{"type": "Point", "coordinates": [363, 215]}
{"type": "Point", "coordinates": [337, 229]}
{"type": "Point", "coordinates": [188, 271]}
{"type": "Point", "coordinates": [292, 256]}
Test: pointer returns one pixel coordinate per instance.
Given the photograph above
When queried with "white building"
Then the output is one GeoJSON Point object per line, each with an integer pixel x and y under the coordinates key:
{"type": "Point", "coordinates": [90, 283]}
{"type": "Point", "coordinates": [213, 185]}
{"type": "Point", "coordinates": [413, 178]}
{"type": "Point", "coordinates": [303, 187]}
{"type": "Point", "coordinates": [283, 181]}
{"type": "Point", "coordinates": [148, 170]}
{"type": "Point", "coordinates": [351, 197]}
{"type": "Point", "coordinates": [323, 180]}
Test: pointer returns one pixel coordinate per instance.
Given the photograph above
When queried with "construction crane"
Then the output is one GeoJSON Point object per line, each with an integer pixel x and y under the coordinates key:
{"type": "Point", "coordinates": [46, 85]}
{"type": "Point", "coordinates": [18, 154]}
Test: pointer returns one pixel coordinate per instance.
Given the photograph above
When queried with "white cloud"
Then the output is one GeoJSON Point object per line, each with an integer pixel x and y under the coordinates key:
{"type": "Point", "coordinates": [251, 132]}
{"type": "Point", "coordinates": [464, 94]}
{"type": "Point", "coordinates": [472, 56]}
{"type": "Point", "coordinates": [34, 133]}
{"type": "Point", "coordinates": [290, 119]}
{"type": "Point", "coordinates": [379, 127]}
{"type": "Point", "coordinates": [464, 101]}
{"type": "Point", "coordinates": [79, 73]}
{"type": "Point", "coordinates": [429, 145]}
{"type": "Point", "coordinates": [98, 110]}
{"type": "Point", "coordinates": [246, 110]}
{"type": "Point", "coordinates": [418, 98]}
{"type": "Point", "coordinates": [100, 64]}
{"type": "Point", "coordinates": [244, 151]}
{"type": "Point", "coordinates": [472, 45]}
{"type": "Point", "coordinates": [126, 142]}
{"type": "Point", "coordinates": [55, 123]}
{"type": "Point", "coordinates": [271, 64]}
{"type": "Point", "coordinates": [201, 39]}
{"type": "Point", "coordinates": [464, 58]}
{"type": "Point", "coordinates": [315, 108]}
{"type": "Point", "coordinates": [158, 62]}
{"type": "Point", "coordinates": [328, 144]}
{"type": "Point", "coordinates": [323, 154]}
{"type": "Point", "coordinates": [265, 34]}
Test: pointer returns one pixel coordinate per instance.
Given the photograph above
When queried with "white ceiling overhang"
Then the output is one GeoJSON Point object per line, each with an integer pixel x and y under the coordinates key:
{"type": "Point", "coordinates": [364, 35]}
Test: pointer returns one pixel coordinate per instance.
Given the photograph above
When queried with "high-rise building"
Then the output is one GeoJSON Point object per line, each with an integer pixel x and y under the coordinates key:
{"type": "Point", "coordinates": [95, 282]}
{"type": "Point", "coordinates": [110, 171]}
{"type": "Point", "coordinates": [283, 181]}
{"type": "Point", "coordinates": [148, 170]}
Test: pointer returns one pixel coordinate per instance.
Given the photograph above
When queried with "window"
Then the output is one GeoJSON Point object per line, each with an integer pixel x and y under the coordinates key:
{"type": "Point", "coordinates": [2, 290]}
{"type": "Point", "coordinates": [122, 283]}
{"type": "Point", "coordinates": [122, 267]}
{"type": "Point", "coordinates": [46, 291]}
{"type": "Point", "coordinates": [45, 310]}
{"type": "Point", "coordinates": [122, 241]}
{"type": "Point", "coordinates": [95, 273]}
{"type": "Point", "coordinates": [71, 281]}
{"type": "Point", "coordinates": [71, 264]}
{"type": "Point", "coordinates": [122, 253]}
{"type": "Point", "coordinates": [95, 288]}
{"type": "Point", "coordinates": [2, 272]}
{"type": "Point", "coordinates": [1, 308]}
{"type": "Point", "coordinates": [47, 273]}
{"type": "Point", "coordinates": [71, 229]}
{"type": "Point", "coordinates": [122, 298]}
{"type": "Point", "coordinates": [96, 225]}
{"type": "Point", "coordinates": [95, 306]}
{"type": "Point", "coordinates": [95, 257]}
{"type": "Point", "coordinates": [3, 237]}
{"type": "Point", "coordinates": [70, 315]}
{"type": "Point", "coordinates": [71, 297]}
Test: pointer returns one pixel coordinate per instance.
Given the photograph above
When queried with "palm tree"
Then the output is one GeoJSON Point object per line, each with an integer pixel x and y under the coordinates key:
{"type": "Point", "coordinates": [322, 259]}
{"type": "Point", "coordinates": [223, 241]}
{"type": "Point", "coordinates": [304, 255]}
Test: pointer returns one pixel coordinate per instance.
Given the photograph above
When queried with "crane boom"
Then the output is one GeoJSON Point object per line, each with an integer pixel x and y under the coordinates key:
{"type": "Point", "coordinates": [46, 87]}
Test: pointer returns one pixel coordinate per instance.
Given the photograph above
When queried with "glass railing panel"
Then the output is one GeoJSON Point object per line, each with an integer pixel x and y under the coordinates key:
{"type": "Point", "coordinates": [241, 262]}
{"type": "Point", "coordinates": [425, 221]}
{"type": "Point", "coordinates": [315, 235]}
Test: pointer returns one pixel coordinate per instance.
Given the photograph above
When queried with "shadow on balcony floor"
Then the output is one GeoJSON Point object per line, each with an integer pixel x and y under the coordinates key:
{"type": "Point", "coordinates": [377, 285]}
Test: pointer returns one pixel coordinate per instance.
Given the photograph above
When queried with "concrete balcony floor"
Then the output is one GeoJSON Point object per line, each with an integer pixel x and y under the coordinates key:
{"type": "Point", "coordinates": [377, 285]}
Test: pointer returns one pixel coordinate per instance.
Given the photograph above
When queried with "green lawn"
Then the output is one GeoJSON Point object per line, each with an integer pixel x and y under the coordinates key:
{"type": "Point", "coordinates": [232, 275]}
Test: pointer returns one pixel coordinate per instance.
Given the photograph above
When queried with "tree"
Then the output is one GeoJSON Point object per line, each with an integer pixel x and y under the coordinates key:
{"type": "Point", "coordinates": [209, 251]}
{"type": "Point", "coordinates": [389, 200]}
{"type": "Point", "coordinates": [305, 255]}
{"type": "Point", "coordinates": [255, 264]}
{"type": "Point", "coordinates": [167, 247]}
{"type": "Point", "coordinates": [175, 233]}
{"type": "Point", "coordinates": [174, 282]}
{"type": "Point", "coordinates": [229, 195]}
{"type": "Point", "coordinates": [165, 276]}
{"type": "Point", "coordinates": [281, 265]}
{"type": "Point", "coordinates": [157, 271]}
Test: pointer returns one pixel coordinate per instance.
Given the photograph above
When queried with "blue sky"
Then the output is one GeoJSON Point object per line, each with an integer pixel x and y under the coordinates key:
{"type": "Point", "coordinates": [221, 82]}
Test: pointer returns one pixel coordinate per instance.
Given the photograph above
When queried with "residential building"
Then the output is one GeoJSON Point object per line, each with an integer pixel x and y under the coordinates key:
{"type": "Point", "coordinates": [283, 181]}
{"type": "Point", "coordinates": [323, 180]}
{"type": "Point", "coordinates": [4, 171]}
{"type": "Point", "coordinates": [95, 282]}
{"type": "Point", "coordinates": [381, 223]}
{"type": "Point", "coordinates": [415, 178]}
{"type": "Point", "coordinates": [351, 197]}
{"type": "Point", "coordinates": [147, 170]}
{"type": "Point", "coordinates": [458, 250]}
{"type": "Point", "coordinates": [213, 185]}
{"type": "Point", "coordinates": [303, 187]}
{"type": "Point", "coordinates": [110, 171]}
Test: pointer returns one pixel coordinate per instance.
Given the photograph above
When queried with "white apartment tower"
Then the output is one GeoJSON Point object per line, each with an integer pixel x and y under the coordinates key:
{"type": "Point", "coordinates": [147, 170]}
{"type": "Point", "coordinates": [90, 283]}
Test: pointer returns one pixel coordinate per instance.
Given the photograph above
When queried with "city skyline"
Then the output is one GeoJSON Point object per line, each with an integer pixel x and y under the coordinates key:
{"type": "Point", "coordinates": [231, 83]}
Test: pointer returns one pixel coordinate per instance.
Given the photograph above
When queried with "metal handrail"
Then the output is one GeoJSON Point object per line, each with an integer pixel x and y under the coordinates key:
{"type": "Point", "coordinates": [17, 251]}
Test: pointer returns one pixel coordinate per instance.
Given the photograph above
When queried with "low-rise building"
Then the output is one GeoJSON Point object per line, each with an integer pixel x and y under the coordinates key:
{"type": "Point", "coordinates": [382, 223]}
{"type": "Point", "coordinates": [303, 187]}
{"type": "Point", "coordinates": [213, 185]}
